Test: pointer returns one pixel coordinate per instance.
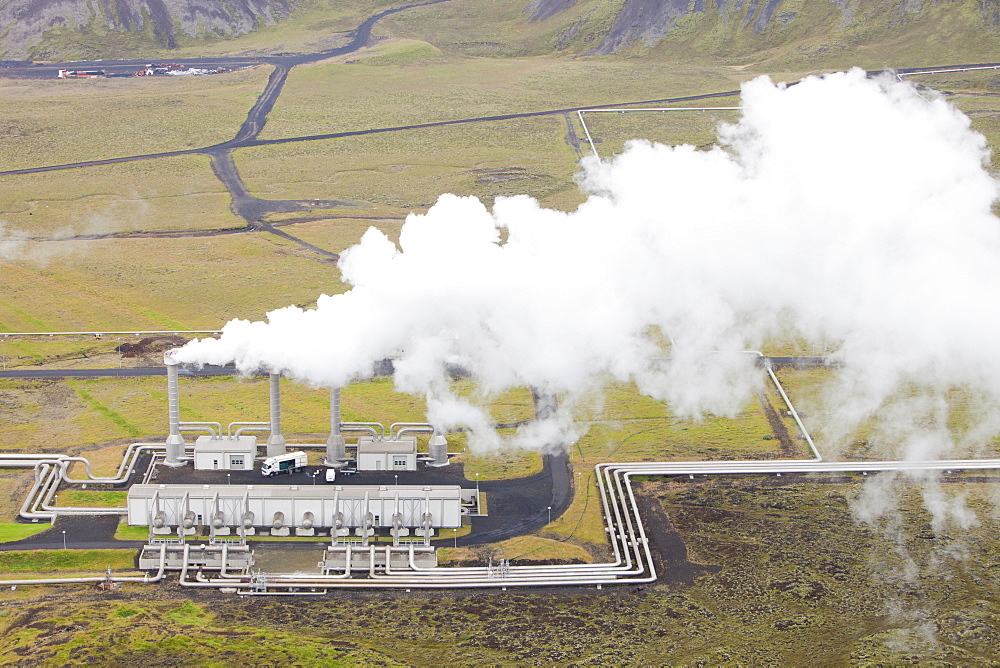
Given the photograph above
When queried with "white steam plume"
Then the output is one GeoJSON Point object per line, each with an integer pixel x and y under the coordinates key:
{"type": "Point", "coordinates": [841, 209]}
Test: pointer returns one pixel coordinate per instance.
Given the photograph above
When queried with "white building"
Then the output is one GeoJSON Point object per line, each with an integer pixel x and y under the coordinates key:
{"type": "Point", "coordinates": [230, 454]}
{"type": "Point", "coordinates": [387, 455]}
{"type": "Point", "coordinates": [321, 506]}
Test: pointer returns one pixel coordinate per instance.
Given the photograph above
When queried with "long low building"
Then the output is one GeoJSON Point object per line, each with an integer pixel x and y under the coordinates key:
{"type": "Point", "coordinates": [307, 506]}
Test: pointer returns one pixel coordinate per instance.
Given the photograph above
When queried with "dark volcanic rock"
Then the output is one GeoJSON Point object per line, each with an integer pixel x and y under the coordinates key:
{"type": "Point", "coordinates": [539, 10]}
{"type": "Point", "coordinates": [647, 21]}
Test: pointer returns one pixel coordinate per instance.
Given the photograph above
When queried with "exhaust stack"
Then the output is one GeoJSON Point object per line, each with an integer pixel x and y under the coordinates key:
{"type": "Point", "coordinates": [335, 450]}
{"type": "Point", "coordinates": [175, 442]}
{"type": "Point", "coordinates": [437, 449]}
{"type": "Point", "coordinates": [276, 442]}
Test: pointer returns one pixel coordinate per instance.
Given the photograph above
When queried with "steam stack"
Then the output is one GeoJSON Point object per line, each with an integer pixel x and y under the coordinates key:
{"type": "Point", "coordinates": [335, 450]}
{"type": "Point", "coordinates": [175, 442]}
{"type": "Point", "coordinates": [437, 449]}
{"type": "Point", "coordinates": [276, 442]}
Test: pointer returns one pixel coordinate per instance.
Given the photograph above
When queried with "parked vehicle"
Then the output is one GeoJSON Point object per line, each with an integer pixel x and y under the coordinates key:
{"type": "Point", "coordinates": [290, 463]}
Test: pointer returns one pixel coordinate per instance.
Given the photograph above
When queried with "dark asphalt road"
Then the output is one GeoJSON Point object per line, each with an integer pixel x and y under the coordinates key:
{"type": "Point", "coordinates": [29, 372]}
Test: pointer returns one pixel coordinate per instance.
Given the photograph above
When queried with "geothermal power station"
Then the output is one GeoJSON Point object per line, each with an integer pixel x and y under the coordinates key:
{"type": "Point", "coordinates": [377, 506]}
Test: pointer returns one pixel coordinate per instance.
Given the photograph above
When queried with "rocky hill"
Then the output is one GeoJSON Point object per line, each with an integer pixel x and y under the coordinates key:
{"type": "Point", "coordinates": [893, 30]}
{"type": "Point", "coordinates": [41, 29]}
{"type": "Point", "coordinates": [722, 26]}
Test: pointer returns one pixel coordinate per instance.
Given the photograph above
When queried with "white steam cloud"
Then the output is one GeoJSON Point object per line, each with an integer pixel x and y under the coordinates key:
{"type": "Point", "coordinates": [842, 210]}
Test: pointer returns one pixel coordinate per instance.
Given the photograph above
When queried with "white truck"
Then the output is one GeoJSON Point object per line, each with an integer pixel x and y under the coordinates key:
{"type": "Point", "coordinates": [290, 463]}
{"type": "Point", "coordinates": [331, 473]}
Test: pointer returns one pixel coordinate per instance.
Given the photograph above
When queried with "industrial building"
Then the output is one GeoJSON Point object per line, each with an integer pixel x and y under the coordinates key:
{"type": "Point", "coordinates": [342, 510]}
{"type": "Point", "coordinates": [212, 453]}
{"type": "Point", "coordinates": [387, 455]}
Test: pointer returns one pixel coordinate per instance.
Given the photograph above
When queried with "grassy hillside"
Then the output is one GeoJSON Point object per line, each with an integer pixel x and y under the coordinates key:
{"type": "Point", "coordinates": [791, 33]}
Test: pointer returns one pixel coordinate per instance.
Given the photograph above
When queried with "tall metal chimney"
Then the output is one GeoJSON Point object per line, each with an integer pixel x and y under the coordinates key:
{"type": "Point", "coordinates": [335, 450]}
{"type": "Point", "coordinates": [175, 442]}
{"type": "Point", "coordinates": [276, 442]}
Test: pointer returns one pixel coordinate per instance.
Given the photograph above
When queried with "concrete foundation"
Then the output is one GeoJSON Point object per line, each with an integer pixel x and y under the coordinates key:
{"type": "Point", "coordinates": [361, 557]}
{"type": "Point", "coordinates": [199, 557]}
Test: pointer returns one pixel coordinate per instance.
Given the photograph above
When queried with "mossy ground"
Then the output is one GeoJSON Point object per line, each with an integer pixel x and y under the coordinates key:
{"type": "Point", "coordinates": [791, 578]}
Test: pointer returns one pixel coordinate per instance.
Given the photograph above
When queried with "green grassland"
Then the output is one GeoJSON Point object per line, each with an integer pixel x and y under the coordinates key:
{"type": "Point", "coordinates": [72, 413]}
{"type": "Point", "coordinates": [168, 194]}
{"type": "Point", "coordinates": [512, 464]}
{"type": "Point", "coordinates": [57, 122]}
{"type": "Point", "coordinates": [610, 131]}
{"type": "Point", "coordinates": [628, 426]}
{"type": "Point", "coordinates": [11, 532]}
{"type": "Point", "coordinates": [338, 96]}
{"type": "Point", "coordinates": [92, 498]}
{"type": "Point", "coordinates": [43, 562]}
{"type": "Point", "coordinates": [339, 234]}
{"type": "Point", "coordinates": [813, 392]}
{"type": "Point", "coordinates": [395, 173]}
{"type": "Point", "coordinates": [157, 284]}
{"type": "Point", "coordinates": [976, 94]}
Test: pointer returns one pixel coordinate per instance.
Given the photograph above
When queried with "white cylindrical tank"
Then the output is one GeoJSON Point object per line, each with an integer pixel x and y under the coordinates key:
{"type": "Point", "coordinates": [437, 448]}
{"type": "Point", "coordinates": [175, 442]}
{"type": "Point", "coordinates": [275, 442]}
{"type": "Point", "coordinates": [335, 446]}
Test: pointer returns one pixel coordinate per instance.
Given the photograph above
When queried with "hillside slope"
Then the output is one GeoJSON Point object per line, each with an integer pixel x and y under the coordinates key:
{"type": "Point", "coordinates": [647, 22]}
{"type": "Point", "coordinates": [34, 28]}
{"type": "Point", "coordinates": [814, 33]}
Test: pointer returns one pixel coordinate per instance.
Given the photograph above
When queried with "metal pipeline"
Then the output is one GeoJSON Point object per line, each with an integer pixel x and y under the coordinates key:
{"type": "Point", "coordinates": [129, 459]}
{"type": "Point", "coordinates": [215, 427]}
{"type": "Point", "coordinates": [229, 427]}
{"type": "Point", "coordinates": [377, 429]}
{"type": "Point", "coordinates": [347, 564]}
{"type": "Point", "coordinates": [409, 427]}
{"type": "Point", "coordinates": [370, 430]}
{"type": "Point", "coordinates": [249, 428]}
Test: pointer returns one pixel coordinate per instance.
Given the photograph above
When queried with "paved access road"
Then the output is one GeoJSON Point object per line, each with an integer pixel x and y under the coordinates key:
{"type": "Point", "coordinates": [29, 372]}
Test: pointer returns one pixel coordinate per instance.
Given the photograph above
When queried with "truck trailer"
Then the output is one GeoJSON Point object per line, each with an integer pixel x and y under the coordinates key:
{"type": "Point", "coordinates": [290, 463]}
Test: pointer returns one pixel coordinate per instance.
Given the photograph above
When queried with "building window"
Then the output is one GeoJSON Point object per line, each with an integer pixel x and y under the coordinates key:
{"type": "Point", "coordinates": [399, 463]}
